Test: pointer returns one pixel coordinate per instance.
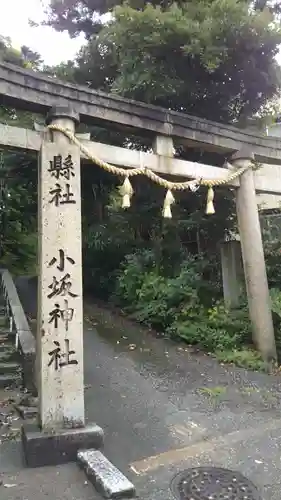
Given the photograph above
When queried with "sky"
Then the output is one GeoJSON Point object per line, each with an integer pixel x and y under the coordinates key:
{"type": "Point", "coordinates": [54, 47]}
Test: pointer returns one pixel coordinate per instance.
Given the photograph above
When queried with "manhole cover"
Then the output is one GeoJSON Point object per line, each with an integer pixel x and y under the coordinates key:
{"type": "Point", "coordinates": [213, 483]}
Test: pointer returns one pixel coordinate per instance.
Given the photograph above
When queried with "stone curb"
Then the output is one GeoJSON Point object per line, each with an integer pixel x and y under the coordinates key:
{"type": "Point", "coordinates": [24, 338]}
{"type": "Point", "coordinates": [107, 479]}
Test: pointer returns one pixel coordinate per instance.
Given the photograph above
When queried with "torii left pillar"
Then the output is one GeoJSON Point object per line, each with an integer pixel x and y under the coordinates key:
{"type": "Point", "coordinates": [61, 429]}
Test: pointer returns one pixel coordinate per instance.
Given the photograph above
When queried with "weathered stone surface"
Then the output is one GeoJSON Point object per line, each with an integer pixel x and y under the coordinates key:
{"type": "Point", "coordinates": [27, 412]}
{"type": "Point", "coordinates": [268, 201]}
{"type": "Point", "coordinates": [8, 353]}
{"type": "Point", "coordinates": [107, 479]}
{"type": "Point", "coordinates": [7, 336]}
{"type": "Point", "coordinates": [254, 263]}
{"type": "Point", "coordinates": [38, 92]}
{"type": "Point", "coordinates": [9, 379]}
{"type": "Point", "coordinates": [9, 367]}
{"type": "Point", "coordinates": [232, 273]}
{"type": "Point", "coordinates": [3, 320]}
{"type": "Point", "coordinates": [58, 112]}
{"type": "Point", "coordinates": [25, 339]}
{"type": "Point", "coordinates": [60, 309]}
{"type": "Point", "coordinates": [56, 447]}
{"type": "Point", "coordinates": [267, 178]}
{"type": "Point", "coordinates": [245, 153]}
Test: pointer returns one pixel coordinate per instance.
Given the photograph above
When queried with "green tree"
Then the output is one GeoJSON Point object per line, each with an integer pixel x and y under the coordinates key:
{"type": "Point", "coordinates": [24, 57]}
{"type": "Point", "coordinates": [18, 211]}
{"type": "Point", "coordinates": [84, 16]}
{"type": "Point", "coordinates": [211, 58]}
{"type": "Point", "coordinates": [18, 180]}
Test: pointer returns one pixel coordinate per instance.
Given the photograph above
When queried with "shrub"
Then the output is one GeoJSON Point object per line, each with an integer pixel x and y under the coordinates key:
{"type": "Point", "coordinates": [245, 358]}
{"type": "Point", "coordinates": [213, 329]}
{"type": "Point", "coordinates": [131, 277]}
{"type": "Point", "coordinates": [183, 306]}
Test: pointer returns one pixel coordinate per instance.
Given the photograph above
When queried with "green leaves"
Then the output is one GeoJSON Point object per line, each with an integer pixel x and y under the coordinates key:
{"type": "Point", "coordinates": [18, 212]}
{"type": "Point", "coordinates": [182, 306]}
{"type": "Point", "coordinates": [211, 58]}
{"type": "Point", "coordinates": [24, 57]}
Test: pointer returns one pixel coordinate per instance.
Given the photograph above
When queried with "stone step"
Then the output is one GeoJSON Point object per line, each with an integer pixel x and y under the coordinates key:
{"type": "Point", "coordinates": [2, 301]}
{"type": "Point", "coordinates": [27, 412]}
{"type": "Point", "coordinates": [7, 346]}
{"type": "Point", "coordinates": [9, 367]}
{"type": "Point", "coordinates": [4, 321]}
{"type": "Point", "coordinates": [5, 326]}
{"type": "Point", "coordinates": [5, 333]}
{"type": "Point", "coordinates": [11, 379]}
{"type": "Point", "coordinates": [8, 354]}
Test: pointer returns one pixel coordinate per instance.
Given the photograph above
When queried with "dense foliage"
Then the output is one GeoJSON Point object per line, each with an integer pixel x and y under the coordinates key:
{"type": "Point", "coordinates": [18, 242]}
{"type": "Point", "coordinates": [184, 305]}
{"type": "Point", "coordinates": [84, 16]}
{"type": "Point", "coordinates": [211, 58]}
{"type": "Point", "coordinates": [18, 181]}
{"type": "Point", "coordinates": [24, 57]}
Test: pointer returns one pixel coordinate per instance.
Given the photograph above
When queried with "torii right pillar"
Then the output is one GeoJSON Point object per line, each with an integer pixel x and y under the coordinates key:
{"type": "Point", "coordinates": [253, 258]}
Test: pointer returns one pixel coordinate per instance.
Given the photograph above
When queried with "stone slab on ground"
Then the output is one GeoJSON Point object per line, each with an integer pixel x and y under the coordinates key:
{"type": "Point", "coordinates": [106, 478]}
{"type": "Point", "coordinates": [65, 482]}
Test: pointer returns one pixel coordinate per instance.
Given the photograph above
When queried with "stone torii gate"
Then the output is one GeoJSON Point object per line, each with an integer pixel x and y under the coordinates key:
{"type": "Point", "coordinates": [60, 312]}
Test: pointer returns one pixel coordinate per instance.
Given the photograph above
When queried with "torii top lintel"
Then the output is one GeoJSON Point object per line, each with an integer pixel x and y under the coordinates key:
{"type": "Point", "coordinates": [37, 92]}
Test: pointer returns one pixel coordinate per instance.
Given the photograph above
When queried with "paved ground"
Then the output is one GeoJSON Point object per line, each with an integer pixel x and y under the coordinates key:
{"type": "Point", "coordinates": [65, 482]}
{"type": "Point", "coordinates": [165, 408]}
{"type": "Point", "coordinates": [170, 409]}
{"type": "Point", "coordinates": [18, 483]}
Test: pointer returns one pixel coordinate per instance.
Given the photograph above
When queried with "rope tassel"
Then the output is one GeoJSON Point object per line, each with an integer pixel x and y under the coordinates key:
{"type": "Point", "coordinates": [126, 192]}
{"type": "Point", "coordinates": [126, 189]}
{"type": "Point", "coordinates": [169, 200]}
{"type": "Point", "coordinates": [210, 209]}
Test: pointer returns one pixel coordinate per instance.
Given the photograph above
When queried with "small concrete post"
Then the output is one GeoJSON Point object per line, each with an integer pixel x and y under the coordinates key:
{"type": "Point", "coordinates": [59, 347]}
{"type": "Point", "coordinates": [232, 272]}
{"type": "Point", "coordinates": [253, 259]}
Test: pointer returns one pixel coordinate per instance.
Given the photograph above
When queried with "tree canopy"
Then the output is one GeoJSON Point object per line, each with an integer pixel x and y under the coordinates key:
{"type": "Point", "coordinates": [211, 58]}
{"type": "Point", "coordinates": [18, 180]}
{"type": "Point", "coordinates": [24, 57]}
{"type": "Point", "coordinates": [78, 16]}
